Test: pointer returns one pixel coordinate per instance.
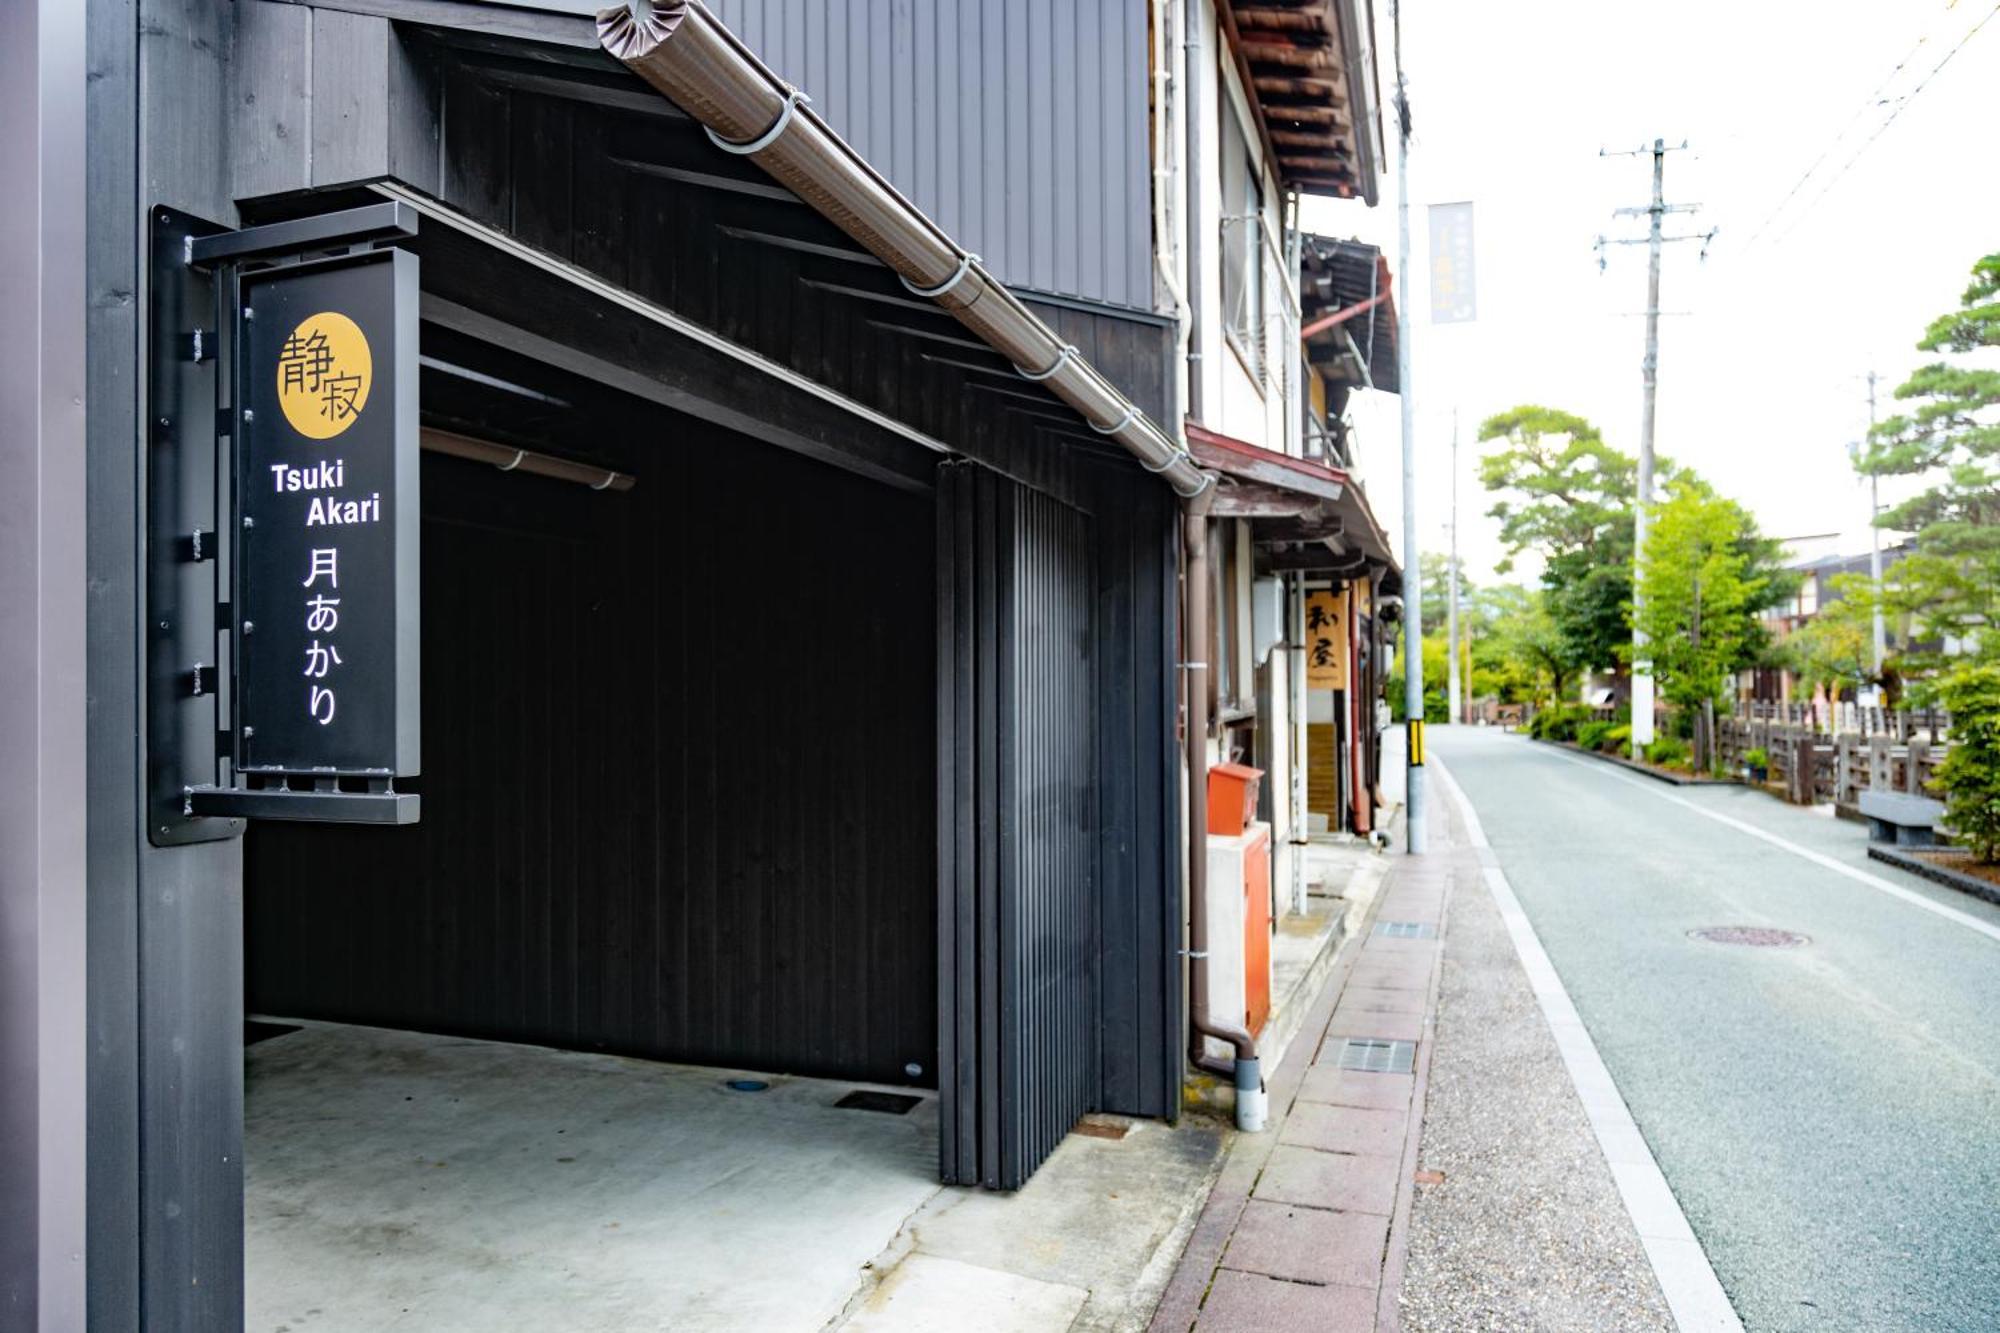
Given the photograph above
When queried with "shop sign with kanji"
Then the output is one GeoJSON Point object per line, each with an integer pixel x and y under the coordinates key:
{"type": "Point", "coordinates": [327, 570]}
{"type": "Point", "coordinates": [1326, 640]}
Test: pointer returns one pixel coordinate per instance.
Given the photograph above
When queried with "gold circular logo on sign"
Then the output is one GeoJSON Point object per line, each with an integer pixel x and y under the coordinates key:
{"type": "Point", "coordinates": [324, 370]}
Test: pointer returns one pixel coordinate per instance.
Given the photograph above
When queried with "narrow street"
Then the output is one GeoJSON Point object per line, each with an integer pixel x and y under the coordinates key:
{"type": "Point", "coordinates": [1822, 1110]}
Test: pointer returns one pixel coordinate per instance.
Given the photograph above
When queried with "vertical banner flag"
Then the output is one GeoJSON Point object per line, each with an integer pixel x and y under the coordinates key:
{"type": "Point", "coordinates": [1326, 641]}
{"type": "Point", "coordinates": [1451, 264]}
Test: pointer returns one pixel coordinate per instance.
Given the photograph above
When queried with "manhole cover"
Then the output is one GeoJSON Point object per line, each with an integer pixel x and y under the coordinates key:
{"type": "Point", "coordinates": [1761, 937]}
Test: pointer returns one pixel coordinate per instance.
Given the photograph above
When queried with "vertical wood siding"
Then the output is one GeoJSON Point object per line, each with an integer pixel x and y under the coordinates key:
{"type": "Point", "coordinates": [678, 783]}
{"type": "Point", "coordinates": [1019, 126]}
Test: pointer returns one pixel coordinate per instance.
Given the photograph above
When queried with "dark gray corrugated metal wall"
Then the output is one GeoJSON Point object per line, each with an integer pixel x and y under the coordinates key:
{"type": "Point", "coordinates": [1050, 930]}
{"type": "Point", "coordinates": [1021, 923]}
{"type": "Point", "coordinates": [1019, 125]}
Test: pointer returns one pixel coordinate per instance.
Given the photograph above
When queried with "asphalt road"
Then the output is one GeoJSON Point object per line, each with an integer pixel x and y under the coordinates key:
{"type": "Point", "coordinates": [1828, 1115]}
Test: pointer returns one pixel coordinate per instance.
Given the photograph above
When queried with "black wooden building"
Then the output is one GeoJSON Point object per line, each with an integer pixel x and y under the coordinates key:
{"type": "Point", "coordinates": [838, 737]}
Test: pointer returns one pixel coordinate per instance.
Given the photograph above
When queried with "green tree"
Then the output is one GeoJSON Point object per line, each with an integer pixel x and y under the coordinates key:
{"type": "Point", "coordinates": [1437, 657]}
{"type": "Point", "coordinates": [1527, 637]}
{"type": "Point", "coordinates": [1702, 595]}
{"type": "Point", "coordinates": [1970, 773]}
{"type": "Point", "coordinates": [1566, 493]}
{"type": "Point", "coordinates": [1949, 435]}
{"type": "Point", "coordinates": [1835, 650]}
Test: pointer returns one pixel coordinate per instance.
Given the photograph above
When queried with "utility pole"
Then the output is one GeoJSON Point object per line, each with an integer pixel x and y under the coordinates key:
{"type": "Point", "coordinates": [1642, 662]}
{"type": "Point", "coordinates": [1413, 585]}
{"type": "Point", "coordinates": [1453, 711]}
{"type": "Point", "coordinates": [1875, 543]}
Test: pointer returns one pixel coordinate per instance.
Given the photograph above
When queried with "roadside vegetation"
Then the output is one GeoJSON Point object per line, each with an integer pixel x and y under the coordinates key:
{"type": "Point", "coordinates": [1565, 496]}
{"type": "Point", "coordinates": [1945, 595]}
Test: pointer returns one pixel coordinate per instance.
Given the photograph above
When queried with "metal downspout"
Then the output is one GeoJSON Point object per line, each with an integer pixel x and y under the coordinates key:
{"type": "Point", "coordinates": [687, 55]}
{"type": "Point", "coordinates": [1191, 104]}
{"type": "Point", "coordinates": [1245, 1070]}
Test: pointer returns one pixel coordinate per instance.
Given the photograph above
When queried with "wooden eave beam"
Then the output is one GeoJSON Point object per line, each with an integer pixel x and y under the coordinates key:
{"type": "Point", "coordinates": [1314, 559]}
{"type": "Point", "coordinates": [1260, 502]}
{"type": "Point", "coordinates": [1290, 55]}
{"type": "Point", "coordinates": [1295, 85]}
{"type": "Point", "coordinates": [1266, 18]}
{"type": "Point", "coordinates": [1315, 526]}
{"type": "Point", "coordinates": [1304, 113]}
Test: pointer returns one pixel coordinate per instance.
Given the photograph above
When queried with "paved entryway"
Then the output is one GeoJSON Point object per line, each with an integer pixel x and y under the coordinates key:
{"type": "Point", "coordinates": [1302, 1231]}
{"type": "Point", "coordinates": [398, 1180]}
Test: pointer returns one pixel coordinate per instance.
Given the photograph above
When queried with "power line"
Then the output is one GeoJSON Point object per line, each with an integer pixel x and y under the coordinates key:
{"type": "Point", "coordinates": [1873, 99]}
{"type": "Point", "coordinates": [1901, 105]}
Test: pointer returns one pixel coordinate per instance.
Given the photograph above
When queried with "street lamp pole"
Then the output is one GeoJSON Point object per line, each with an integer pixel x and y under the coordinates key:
{"type": "Point", "coordinates": [1454, 713]}
{"type": "Point", "coordinates": [1875, 545]}
{"type": "Point", "coordinates": [1413, 586]}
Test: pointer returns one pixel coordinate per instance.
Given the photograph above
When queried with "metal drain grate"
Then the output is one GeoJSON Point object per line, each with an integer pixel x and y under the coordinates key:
{"type": "Point", "coordinates": [1758, 937]}
{"type": "Point", "coordinates": [889, 1103]}
{"type": "Point", "coordinates": [1372, 1055]}
{"type": "Point", "coordinates": [1405, 930]}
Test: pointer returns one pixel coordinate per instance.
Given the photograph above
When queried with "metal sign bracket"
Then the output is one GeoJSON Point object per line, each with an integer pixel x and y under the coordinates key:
{"type": "Point", "coordinates": [191, 514]}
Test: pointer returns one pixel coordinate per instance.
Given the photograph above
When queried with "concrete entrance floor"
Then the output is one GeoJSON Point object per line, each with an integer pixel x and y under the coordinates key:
{"type": "Point", "coordinates": [398, 1180]}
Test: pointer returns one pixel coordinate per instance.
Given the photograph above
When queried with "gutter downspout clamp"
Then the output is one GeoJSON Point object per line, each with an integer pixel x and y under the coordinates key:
{"type": "Point", "coordinates": [679, 48]}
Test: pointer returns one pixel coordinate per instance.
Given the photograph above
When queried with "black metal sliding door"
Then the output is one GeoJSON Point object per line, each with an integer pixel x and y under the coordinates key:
{"type": "Point", "coordinates": [1018, 927]}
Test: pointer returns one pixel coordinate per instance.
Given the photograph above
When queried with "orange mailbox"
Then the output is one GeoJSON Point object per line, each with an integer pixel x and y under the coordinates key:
{"type": "Point", "coordinates": [1232, 798]}
{"type": "Point", "coordinates": [1257, 929]}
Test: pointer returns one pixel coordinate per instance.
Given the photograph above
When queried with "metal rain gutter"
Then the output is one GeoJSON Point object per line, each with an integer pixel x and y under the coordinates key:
{"type": "Point", "coordinates": [679, 48]}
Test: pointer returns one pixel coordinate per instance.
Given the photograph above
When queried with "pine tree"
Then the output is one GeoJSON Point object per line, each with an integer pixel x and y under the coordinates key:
{"type": "Point", "coordinates": [1949, 435]}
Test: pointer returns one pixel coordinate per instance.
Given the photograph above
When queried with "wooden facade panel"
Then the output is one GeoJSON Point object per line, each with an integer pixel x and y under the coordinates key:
{"type": "Point", "coordinates": [678, 780]}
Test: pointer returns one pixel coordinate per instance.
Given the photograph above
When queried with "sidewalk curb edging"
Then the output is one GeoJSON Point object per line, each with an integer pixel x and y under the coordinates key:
{"type": "Point", "coordinates": [1647, 770]}
{"type": "Point", "coordinates": [1937, 874]}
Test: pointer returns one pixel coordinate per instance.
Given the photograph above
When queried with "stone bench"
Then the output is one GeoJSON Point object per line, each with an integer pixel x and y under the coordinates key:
{"type": "Point", "coordinates": [1901, 818]}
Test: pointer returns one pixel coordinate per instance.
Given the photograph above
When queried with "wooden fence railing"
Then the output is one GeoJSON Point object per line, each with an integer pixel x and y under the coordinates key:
{"type": "Point", "coordinates": [1812, 765]}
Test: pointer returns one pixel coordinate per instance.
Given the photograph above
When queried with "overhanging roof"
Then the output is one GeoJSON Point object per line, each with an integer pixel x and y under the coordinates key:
{"type": "Point", "coordinates": [1309, 67]}
{"type": "Point", "coordinates": [1348, 312]}
{"type": "Point", "coordinates": [1314, 511]}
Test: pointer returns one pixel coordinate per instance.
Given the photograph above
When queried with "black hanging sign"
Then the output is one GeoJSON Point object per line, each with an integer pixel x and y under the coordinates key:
{"type": "Point", "coordinates": [281, 527]}
{"type": "Point", "coordinates": [326, 476]}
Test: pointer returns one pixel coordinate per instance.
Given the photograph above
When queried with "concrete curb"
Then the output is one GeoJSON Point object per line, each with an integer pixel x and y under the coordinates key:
{"type": "Point", "coordinates": [1658, 775]}
{"type": "Point", "coordinates": [1937, 874]}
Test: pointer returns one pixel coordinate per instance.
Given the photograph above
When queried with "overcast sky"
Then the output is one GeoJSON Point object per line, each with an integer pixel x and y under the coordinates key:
{"type": "Point", "coordinates": [1762, 380]}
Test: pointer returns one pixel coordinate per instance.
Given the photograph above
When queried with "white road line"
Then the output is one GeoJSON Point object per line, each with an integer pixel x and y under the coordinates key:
{"type": "Point", "coordinates": [1693, 1293]}
{"type": "Point", "coordinates": [1876, 882]}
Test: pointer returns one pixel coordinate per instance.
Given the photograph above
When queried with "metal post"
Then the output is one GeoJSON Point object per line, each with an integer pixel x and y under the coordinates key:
{"type": "Point", "coordinates": [1642, 662]}
{"type": "Point", "coordinates": [1875, 544]}
{"type": "Point", "coordinates": [1413, 614]}
{"type": "Point", "coordinates": [1454, 712]}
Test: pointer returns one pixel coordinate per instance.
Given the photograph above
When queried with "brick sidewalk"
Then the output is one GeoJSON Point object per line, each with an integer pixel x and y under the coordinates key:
{"type": "Point", "coordinates": [1307, 1225]}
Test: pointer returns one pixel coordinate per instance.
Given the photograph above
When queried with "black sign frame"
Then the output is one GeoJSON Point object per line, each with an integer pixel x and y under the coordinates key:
{"type": "Point", "coordinates": [192, 484]}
